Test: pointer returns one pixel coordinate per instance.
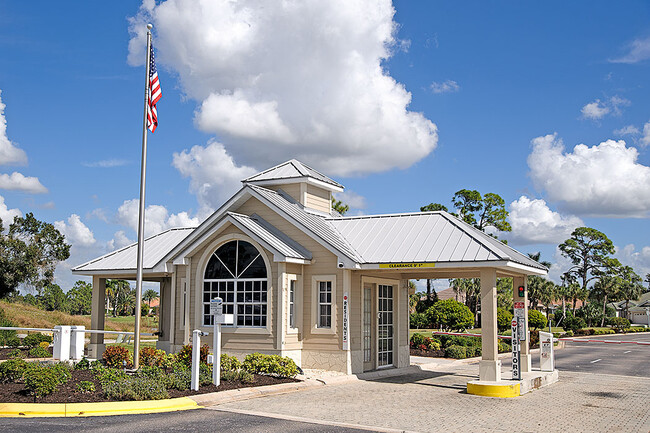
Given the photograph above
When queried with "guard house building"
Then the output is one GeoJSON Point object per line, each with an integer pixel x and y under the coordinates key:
{"type": "Point", "coordinates": [288, 267]}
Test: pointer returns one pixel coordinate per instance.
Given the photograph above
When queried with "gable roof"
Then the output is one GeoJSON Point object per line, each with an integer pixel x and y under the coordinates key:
{"type": "Point", "coordinates": [291, 170]}
{"type": "Point", "coordinates": [156, 247]}
{"type": "Point", "coordinates": [423, 237]}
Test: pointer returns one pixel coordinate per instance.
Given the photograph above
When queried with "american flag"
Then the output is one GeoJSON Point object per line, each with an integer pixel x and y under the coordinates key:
{"type": "Point", "coordinates": [153, 94]}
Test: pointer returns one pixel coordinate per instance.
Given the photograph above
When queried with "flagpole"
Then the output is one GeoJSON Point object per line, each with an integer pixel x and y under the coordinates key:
{"type": "Point", "coordinates": [143, 177]}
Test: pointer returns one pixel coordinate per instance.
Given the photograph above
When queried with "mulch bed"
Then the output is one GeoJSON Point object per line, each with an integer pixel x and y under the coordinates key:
{"type": "Point", "coordinates": [4, 352]}
{"type": "Point", "coordinates": [68, 393]}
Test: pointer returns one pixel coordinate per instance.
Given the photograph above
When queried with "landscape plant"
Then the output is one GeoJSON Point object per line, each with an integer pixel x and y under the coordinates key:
{"type": "Point", "coordinates": [536, 319]}
{"type": "Point", "coordinates": [117, 356]}
{"type": "Point", "coordinates": [450, 315]}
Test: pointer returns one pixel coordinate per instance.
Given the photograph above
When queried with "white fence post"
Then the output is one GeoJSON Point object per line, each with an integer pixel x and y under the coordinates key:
{"type": "Point", "coordinates": [61, 343]}
{"type": "Point", "coordinates": [77, 341]}
{"type": "Point", "coordinates": [196, 357]}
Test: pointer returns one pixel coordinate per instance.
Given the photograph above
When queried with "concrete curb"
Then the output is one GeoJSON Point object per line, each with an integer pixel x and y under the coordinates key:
{"type": "Point", "coordinates": [34, 410]}
{"type": "Point", "coordinates": [217, 398]}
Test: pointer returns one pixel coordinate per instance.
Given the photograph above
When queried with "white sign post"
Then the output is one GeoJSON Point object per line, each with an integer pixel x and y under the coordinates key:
{"type": "Point", "coordinates": [346, 322]}
{"type": "Point", "coordinates": [516, 356]}
{"type": "Point", "coordinates": [196, 357]}
{"type": "Point", "coordinates": [546, 358]}
{"type": "Point", "coordinates": [520, 315]}
{"type": "Point", "coordinates": [216, 310]}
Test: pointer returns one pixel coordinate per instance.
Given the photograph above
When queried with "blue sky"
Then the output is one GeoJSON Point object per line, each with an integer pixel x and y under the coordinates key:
{"type": "Point", "coordinates": [404, 103]}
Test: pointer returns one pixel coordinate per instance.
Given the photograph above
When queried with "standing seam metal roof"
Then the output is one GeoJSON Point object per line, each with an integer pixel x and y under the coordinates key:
{"type": "Point", "coordinates": [156, 248]}
{"type": "Point", "coordinates": [423, 237]}
{"type": "Point", "coordinates": [288, 170]}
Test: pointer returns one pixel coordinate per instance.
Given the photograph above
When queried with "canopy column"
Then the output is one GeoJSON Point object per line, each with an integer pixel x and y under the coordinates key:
{"type": "Point", "coordinates": [97, 317]}
{"type": "Point", "coordinates": [526, 359]}
{"type": "Point", "coordinates": [489, 366]}
{"type": "Point", "coordinates": [165, 323]}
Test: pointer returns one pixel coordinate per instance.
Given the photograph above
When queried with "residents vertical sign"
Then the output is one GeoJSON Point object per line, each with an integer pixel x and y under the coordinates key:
{"type": "Point", "coordinates": [346, 322]}
{"type": "Point", "coordinates": [516, 356]}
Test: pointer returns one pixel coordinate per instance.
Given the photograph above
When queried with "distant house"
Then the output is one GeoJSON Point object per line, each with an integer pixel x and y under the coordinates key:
{"type": "Point", "coordinates": [637, 311]}
{"type": "Point", "coordinates": [451, 294]}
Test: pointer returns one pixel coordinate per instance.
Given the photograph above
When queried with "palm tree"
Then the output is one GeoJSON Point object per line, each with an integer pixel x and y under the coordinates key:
{"type": "Point", "coordinates": [121, 295]}
{"type": "Point", "coordinates": [149, 295]}
{"type": "Point", "coordinates": [631, 287]}
{"type": "Point", "coordinates": [609, 283]}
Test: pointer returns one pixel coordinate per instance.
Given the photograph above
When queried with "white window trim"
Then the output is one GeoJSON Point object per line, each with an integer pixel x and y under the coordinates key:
{"type": "Point", "coordinates": [314, 305]}
{"type": "Point", "coordinates": [296, 304]}
{"type": "Point", "coordinates": [200, 269]}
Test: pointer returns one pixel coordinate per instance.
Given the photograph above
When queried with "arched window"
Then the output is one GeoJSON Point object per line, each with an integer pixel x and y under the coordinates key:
{"type": "Point", "coordinates": [236, 273]}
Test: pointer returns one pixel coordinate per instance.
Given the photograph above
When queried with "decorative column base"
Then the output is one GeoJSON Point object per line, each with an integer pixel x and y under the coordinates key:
{"type": "Point", "coordinates": [489, 371]}
{"type": "Point", "coordinates": [526, 363]}
{"type": "Point", "coordinates": [96, 350]}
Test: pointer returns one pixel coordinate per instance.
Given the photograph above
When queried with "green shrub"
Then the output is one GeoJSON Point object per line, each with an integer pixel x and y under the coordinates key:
{"type": "Point", "coordinates": [418, 321]}
{"type": "Point", "coordinates": [504, 319]}
{"type": "Point", "coordinates": [12, 370]}
{"type": "Point", "coordinates": [245, 377]}
{"type": "Point", "coordinates": [619, 323]}
{"type": "Point", "coordinates": [450, 315]}
{"type": "Point", "coordinates": [115, 356]}
{"type": "Point", "coordinates": [135, 388]}
{"type": "Point", "coordinates": [270, 364]}
{"type": "Point", "coordinates": [456, 352]}
{"type": "Point", "coordinates": [154, 373]}
{"type": "Point", "coordinates": [536, 319]}
{"type": "Point", "coordinates": [32, 340]}
{"type": "Point", "coordinates": [185, 354]}
{"type": "Point", "coordinates": [152, 357]}
{"type": "Point", "coordinates": [180, 380]}
{"type": "Point", "coordinates": [12, 341]}
{"type": "Point", "coordinates": [416, 340]}
{"type": "Point", "coordinates": [205, 374]}
{"type": "Point", "coordinates": [39, 352]}
{"type": "Point", "coordinates": [85, 386]}
{"type": "Point", "coordinates": [41, 381]}
{"type": "Point", "coordinates": [504, 346]}
{"type": "Point", "coordinates": [473, 351]}
{"type": "Point", "coordinates": [459, 340]}
{"type": "Point", "coordinates": [572, 323]}
{"type": "Point", "coordinates": [107, 376]}
{"type": "Point", "coordinates": [568, 334]}
{"type": "Point", "coordinates": [229, 363]}
{"type": "Point", "coordinates": [84, 364]}
{"type": "Point", "coordinates": [635, 329]}
{"type": "Point", "coordinates": [15, 353]}
{"type": "Point", "coordinates": [419, 341]}
{"type": "Point", "coordinates": [62, 370]}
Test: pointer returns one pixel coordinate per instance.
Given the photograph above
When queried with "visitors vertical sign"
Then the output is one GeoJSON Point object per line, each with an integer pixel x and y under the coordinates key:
{"type": "Point", "coordinates": [516, 356]}
{"type": "Point", "coordinates": [346, 322]}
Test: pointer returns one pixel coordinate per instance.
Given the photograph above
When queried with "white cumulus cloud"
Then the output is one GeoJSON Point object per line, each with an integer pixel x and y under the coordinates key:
{"type": "Point", "coordinates": [448, 86]}
{"type": "Point", "coordinates": [213, 174]}
{"type": "Point", "coordinates": [598, 109]}
{"type": "Point", "coordinates": [17, 182]}
{"type": "Point", "coordinates": [352, 199]}
{"type": "Point", "coordinates": [277, 80]}
{"type": "Point", "coordinates": [645, 138]}
{"type": "Point", "coordinates": [156, 219]}
{"type": "Point", "coordinates": [75, 231]}
{"type": "Point", "coordinates": [533, 222]}
{"type": "Point", "coordinates": [120, 240]}
{"type": "Point", "coordinates": [637, 51]}
{"type": "Point", "coordinates": [639, 260]}
{"type": "Point", "coordinates": [627, 130]}
{"type": "Point", "coordinates": [9, 153]}
{"type": "Point", "coordinates": [601, 180]}
{"type": "Point", "coordinates": [7, 215]}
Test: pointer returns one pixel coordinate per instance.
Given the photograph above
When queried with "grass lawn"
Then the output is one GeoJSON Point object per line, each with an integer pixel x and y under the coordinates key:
{"type": "Point", "coordinates": [427, 332]}
{"type": "Point", "coordinates": [143, 343]}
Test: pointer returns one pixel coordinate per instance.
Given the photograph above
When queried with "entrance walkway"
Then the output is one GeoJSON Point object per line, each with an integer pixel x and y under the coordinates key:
{"type": "Point", "coordinates": [437, 401]}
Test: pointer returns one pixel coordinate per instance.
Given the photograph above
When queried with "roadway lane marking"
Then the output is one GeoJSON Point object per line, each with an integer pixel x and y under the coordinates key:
{"type": "Point", "coordinates": [627, 351]}
{"type": "Point", "coordinates": [595, 361]}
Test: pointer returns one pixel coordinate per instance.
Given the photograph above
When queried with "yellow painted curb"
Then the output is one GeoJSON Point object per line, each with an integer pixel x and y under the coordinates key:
{"type": "Point", "coordinates": [494, 390]}
{"type": "Point", "coordinates": [29, 410]}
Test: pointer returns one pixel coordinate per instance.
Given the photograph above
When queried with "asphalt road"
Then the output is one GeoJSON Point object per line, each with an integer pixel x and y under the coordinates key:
{"type": "Point", "coordinates": [199, 420]}
{"type": "Point", "coordinates": [602, 358]}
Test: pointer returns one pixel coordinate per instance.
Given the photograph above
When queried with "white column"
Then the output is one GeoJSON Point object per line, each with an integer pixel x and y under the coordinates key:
{"type": "Point", "coordinates": [347, 290]}
{"type": "Point", "coordinates": [526, 359]}
{"type": "Point", "coordinates": [489, 366]}
{"type": "Point", "coordinates": [97, 317]}
{"type": "Point", "coordinates": [280, 308]}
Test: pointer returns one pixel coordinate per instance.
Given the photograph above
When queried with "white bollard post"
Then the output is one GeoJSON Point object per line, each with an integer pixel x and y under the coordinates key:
{"type": "Point", "coordinates": [77, 341]}
{"type": "Point", "coordinates": [61, 343]}
{"type": "Point", "coordinates": [196, 357]}
{"type": "Point", "coordinates": [216, 363]}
